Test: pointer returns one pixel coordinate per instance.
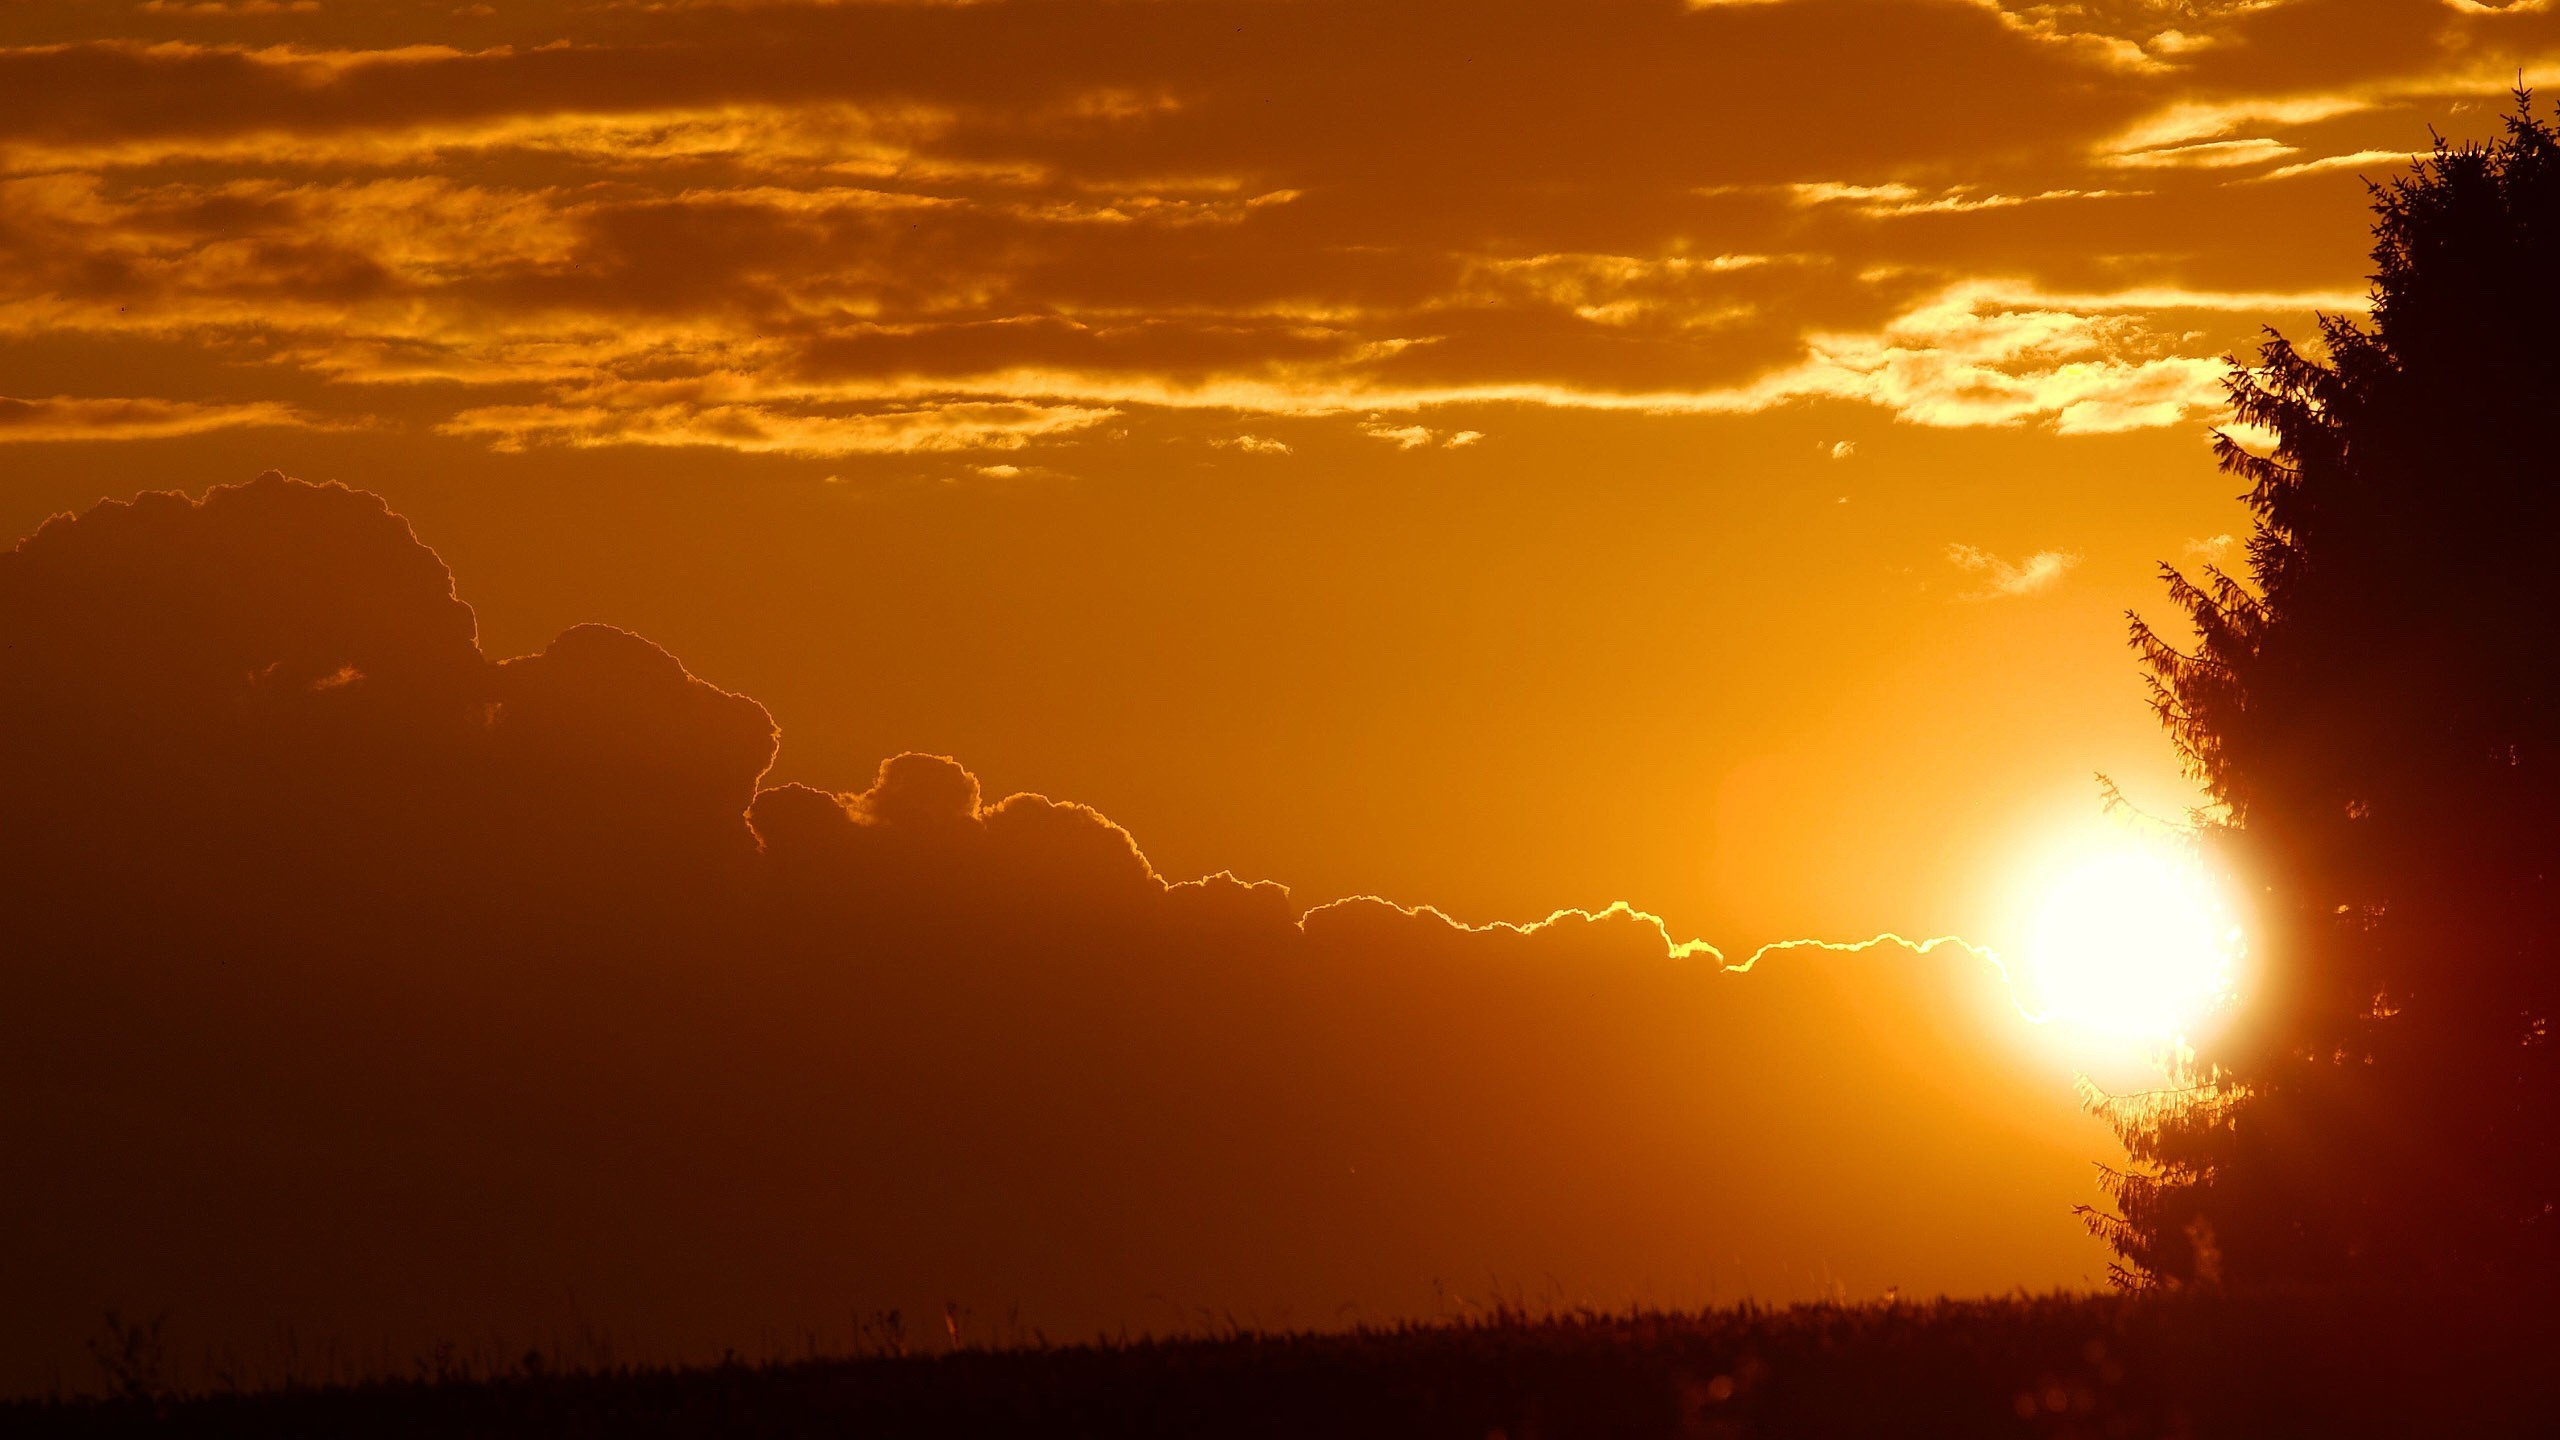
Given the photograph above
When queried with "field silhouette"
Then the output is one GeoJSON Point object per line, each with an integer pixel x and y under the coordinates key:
{"type": "Point", "coordinates": [2377, 1363]}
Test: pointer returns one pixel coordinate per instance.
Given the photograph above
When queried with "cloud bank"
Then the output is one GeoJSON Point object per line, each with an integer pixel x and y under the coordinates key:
{"type": "Point", "coordinates": [360, 982]}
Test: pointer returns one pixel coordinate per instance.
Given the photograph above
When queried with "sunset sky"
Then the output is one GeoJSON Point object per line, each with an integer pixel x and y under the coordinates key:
{"type": "Point", "coordinates": [1494, 455]}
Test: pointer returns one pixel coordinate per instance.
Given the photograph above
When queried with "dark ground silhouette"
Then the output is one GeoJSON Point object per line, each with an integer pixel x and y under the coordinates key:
{"type": "Point", "coordinates": [2198, 1365]}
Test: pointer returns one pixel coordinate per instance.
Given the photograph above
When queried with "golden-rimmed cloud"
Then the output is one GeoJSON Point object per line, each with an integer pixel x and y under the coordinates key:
{"type": "Point", "coordinates": [517, 975]}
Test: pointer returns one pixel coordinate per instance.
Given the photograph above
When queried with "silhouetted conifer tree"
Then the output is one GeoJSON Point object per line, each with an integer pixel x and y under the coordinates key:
{"type": "Point", "coordinates": [2376, 708]}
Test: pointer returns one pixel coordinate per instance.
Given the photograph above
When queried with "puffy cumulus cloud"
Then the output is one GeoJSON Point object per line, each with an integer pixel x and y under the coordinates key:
{"type": "Point", "coordinates": [363, 983]}
{"type": "Point", "coordinates": [2008, 578]}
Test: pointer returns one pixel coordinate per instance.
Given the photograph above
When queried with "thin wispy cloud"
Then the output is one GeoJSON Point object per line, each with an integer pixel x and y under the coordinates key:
{"type": "Point", "coordinates": [2003, 578]}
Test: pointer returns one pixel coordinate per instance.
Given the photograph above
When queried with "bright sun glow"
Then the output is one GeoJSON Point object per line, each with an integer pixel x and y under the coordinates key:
{"type": "Point", "coordinates": [2134, 942]}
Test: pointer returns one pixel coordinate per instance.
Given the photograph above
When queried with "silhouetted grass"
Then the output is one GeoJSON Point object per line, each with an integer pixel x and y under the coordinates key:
{"type": "Point", "coordinates": [2365, 1363]}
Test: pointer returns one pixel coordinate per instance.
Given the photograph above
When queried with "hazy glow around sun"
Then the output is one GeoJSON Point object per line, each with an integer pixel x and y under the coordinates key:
{"type": "Point", "coordinates": [2132, 941]}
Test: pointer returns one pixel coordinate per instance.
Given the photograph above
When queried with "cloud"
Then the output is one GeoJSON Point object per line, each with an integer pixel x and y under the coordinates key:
{"type": "Point", "coordinates": [1416, 437]}
{"type": "Point", "coordinates": [2091, 33]}
{"type": "Point", "coordinates": [794, 320]}
{"type": "Point", "coordinates": [1897, 199]}
{"type": "Point", "coordinates": [2201, 129]}
{"type": "Point", "coordinates": [1403, 437]}
{"type": "Point", "coordinates": [759, 429]}
{"type": "Point", "coordinates": [2003, 578]}
{"type": "Point", "coordinates": [2204, 155]}
{"type": "Point", "coordinates": [2193, 122]}
{"type": "Point", "coordinates": [1614, 288]}
{"type": "Point", "coordinates": [79, 418]}
{"type": "Point", "coordinates": [521, 234]}
{"type": "Point", "coordinates": [2357, 160]}
{"type": "Point", "coordinates": [224, 9]}
{"type": "Point", "coordinates": [1990, 354]}
{"type": "Point", "coordinates": [365, 983]}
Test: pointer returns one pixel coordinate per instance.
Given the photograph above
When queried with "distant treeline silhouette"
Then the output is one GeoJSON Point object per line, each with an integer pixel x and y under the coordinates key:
{"type": "Point", "coordinates": [2376, 708]}
{"type": "Point", "coordinates": [2337, 1365]}
{"type": "Point", "coordinates": [357, 981]}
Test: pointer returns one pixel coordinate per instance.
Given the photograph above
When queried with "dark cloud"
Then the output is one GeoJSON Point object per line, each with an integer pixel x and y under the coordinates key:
{"type": "Point", "coordinates": [361, 982]}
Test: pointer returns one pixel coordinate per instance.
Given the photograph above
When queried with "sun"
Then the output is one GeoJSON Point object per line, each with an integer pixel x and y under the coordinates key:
{"type": "Point", "coordinates": [2134, 942]}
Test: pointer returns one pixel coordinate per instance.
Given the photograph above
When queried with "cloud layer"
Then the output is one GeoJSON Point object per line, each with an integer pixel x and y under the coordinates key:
{"type": "Point", "coordinates": [885, 229]}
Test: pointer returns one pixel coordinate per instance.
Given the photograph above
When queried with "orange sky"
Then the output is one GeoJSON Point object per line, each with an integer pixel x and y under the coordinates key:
{"type": "Point", "coordinates": [1488, 455]}
{"type": "Point", "coordinates": [1502, 456]}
